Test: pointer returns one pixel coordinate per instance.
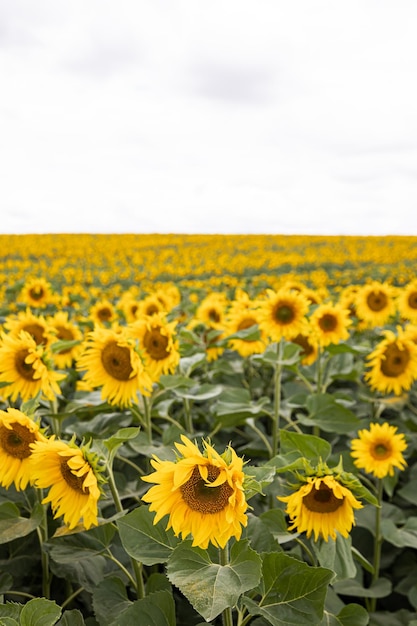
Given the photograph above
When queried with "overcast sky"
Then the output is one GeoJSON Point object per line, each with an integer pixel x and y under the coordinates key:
{"type": "Point", "coordinates": [214, 116]}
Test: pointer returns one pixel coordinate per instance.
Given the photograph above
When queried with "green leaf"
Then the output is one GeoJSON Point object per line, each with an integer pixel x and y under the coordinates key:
{"type": "Point", "coordinates": [400, 537]}
{"type": "Point", "coordinates": [380, 589]}
{"type": "Point", "coordinates": [293, 593]}
{"type": "Point", "coordinates": [64, 345]}
{"type": "Point", "coordinates": [157, 609]}
{"type": "Point", "coordinates": [144, 541]}
{"type": "Point", "coordinates": [350, 615]}
{"type": "Point", "coordinates": [8, 621]}
{"type": "Point", "coordinates": [120, 437]}
{"type": "Point", "coordinates": [40, 612]}
{"type": "Point", "coordinates": [336, 555]}
{"type": "Point", "coordinates": [6, 582]}
{"type": "Point", "coordinates": [256, 478]}
{"type": "Point", "coordinates": [235, 405]}
{"type": "Point", "coordinates": [110, 600]}
{"type": "Point", "coordinates": [13, 527]}
{"type": "Point", "coordinates": [313, 448]}
{"type": "Point", "coordinates": [328, 414]}
{"type": "Point", "coordinates": [211, 587]}
{"type": "Point", "coordinates": [71, 618]}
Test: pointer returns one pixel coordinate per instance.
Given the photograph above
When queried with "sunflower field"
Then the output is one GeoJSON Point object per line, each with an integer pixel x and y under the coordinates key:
{"type": "Point", "coordinates": [210, 429]}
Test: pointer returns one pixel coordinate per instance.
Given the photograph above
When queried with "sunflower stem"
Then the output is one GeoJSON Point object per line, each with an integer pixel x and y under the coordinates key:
{"type": "Point", "coordinates": [277, 402]}
{"type": "Point", "coordinates": [224, 560]}
{"type": "Point", "coordinates": [137, 567]}
{"type": "Point", "coordinates": [42, 531]}
{"type": "Point", "coordinates": [378, 541]}
{"type": "Point", "coordinates": [148, 420]}
{"type": "Point", "coordinates": [188, 417]}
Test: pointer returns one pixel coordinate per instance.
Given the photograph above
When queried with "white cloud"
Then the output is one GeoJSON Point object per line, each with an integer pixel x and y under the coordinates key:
{"type": "Point", "coordinates": [188, 116]}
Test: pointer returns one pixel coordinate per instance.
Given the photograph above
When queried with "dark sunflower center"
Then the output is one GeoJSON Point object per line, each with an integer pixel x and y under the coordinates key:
{"type": "Point", "coordinates": [322, 500]}
{"type": "Point", "coordinates": [16, 442]}
{"type": "Point", "coordinates": [73, 481]}
{"type": "Point", "coordinates": [37, 332]}
{"type": "Point", "coordinates": [412, 300]}
{"type": "Point", "coordinates": [214, 316]}
{"type": "Point", "coordinates": [328, 322]}
{"type": "Point", "coordinates": [104, 314]}
{"type": "Point", "coordinates": [64, 334]}
{"type": "Point", "coordinates": [156, 344]}
{"type": "Point", "coordinates": [202, 498]}
{"type": "Point", "coordinates": [377, 301]}
{"type": "Point", "coordinates": [395, 362]}
{"type": "Point", "coordinates": [36, 293]}
{"type": "Point", "coordinates": [116, 361]}
{"type": "Point", "coordinates": [283, 313]}
{"type": "Point", "coordinates": [304, 343]}
{"type": "Point", "coordinates": [25, 370]}
{"type": "Point", "coordinates": [151, 309]}
{"type": "Point", "coordinates": [380, 451]}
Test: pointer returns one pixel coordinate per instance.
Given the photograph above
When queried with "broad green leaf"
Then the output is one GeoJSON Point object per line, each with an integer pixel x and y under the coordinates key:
{"type": "Point", "coordinates": [71, 618]}
{"type": "Point", "coordinates": [110, 600]}
{"type": "Point", "coordinates": [64, 344]}
{"type": "Point", "coordinates": [8, 621]}
{"type": "Point", "coordinates": [120, 437]}
{"type": "Point", "coordinates": [143, 540]}
{"type": "Point", "coordinates": [300, 444]}
{"type": "Point", "coordinates": [336, 555]}
{"type": "Point", "coordinates": [256, 478]}
{"type": "Point", "coordinates": [6, 582]}
{"type": "Point", "coordinates": [157, 609]}
{"type": "Point", "coordinates": [326, 413]}
{"type": "Point", "coordinates": [380, 589]}
{"type": "Point", "coordinates": [276, 522]}
{"type": "Point", "coordinates": [11, 610]}
{"type": "Point", "coordinates": [399, 537]}
{"type": "Point", "coordinates": [15, 527]}
{"type": "Point", "coordinates": [293, 593]}
{"type": "Point", "coordinates": [350, 615]}
{"type": "Point", "coordinates": [260, 537]}
{"type": "Point", "coordinates": [211, 587]}
{"type": "Point", "coordinates": [40, 612]}
{"type": "Point", "coordinates": [198, 393]}
{"type": "Point", "coordinates": [78, 558]}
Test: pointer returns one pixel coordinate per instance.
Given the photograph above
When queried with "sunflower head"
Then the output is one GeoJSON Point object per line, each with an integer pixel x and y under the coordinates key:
{"type": "Point", "coordinates": [330, 323]}
{"type": "Point", "coordinates": [283, 314]}
{"type": "Point", "coordinates": [393, 363]}
{"type": "Point", "coordinates": [202, 494]}
{"type": "Point", "coordinates": [379, 450]}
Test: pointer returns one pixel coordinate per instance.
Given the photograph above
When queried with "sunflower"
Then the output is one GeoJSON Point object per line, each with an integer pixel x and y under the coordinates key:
{"type": "Point", "coordinates": [73, 477]}
{"type": "Point", "coordinates": [35, 325]}
{"type": "Point", "coordinates": [111, 361]}
{"type": "Point", "coordinates": [407, 302]}
{"type": "Point", "coordinates": [37, 292]}
{"type": "Point", "coordinates": [150, 305]}
{"type": "Point", "coordinates": [17, 433]}
{"type": "Point", "coordinates": [393, 363]}
{"type": "Point", "coordinates": [211, 311]}
{"type": "Point", "coordinates": [283, 314]}
{"type": "Point", "coordinates": [159, 348]}
{"type": "Point", "coordinates": [330, 323]}
{"type": "Point", "coordinates": [202, 494]}
{"type": "Point", "coordinates": [375, 304]}
{"type": "Point", "coordinates": [243, 319]}
{"type": "Point", "coordinates": [379, 450]}
{"type": "Point", "coordinates": [65, 330]}
{"type": "Point", "coordinates": [309, 346]}
{"type": "Point", "coordinates": [102, 313]}
{"type": "Point", "coordinates": [25, 368]}
{"type": "Point", "coordinates": [323, 506]}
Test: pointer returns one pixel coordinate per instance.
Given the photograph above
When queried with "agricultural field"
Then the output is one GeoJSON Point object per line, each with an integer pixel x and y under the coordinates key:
{"type": "Point", "coordinates": [208, 429]}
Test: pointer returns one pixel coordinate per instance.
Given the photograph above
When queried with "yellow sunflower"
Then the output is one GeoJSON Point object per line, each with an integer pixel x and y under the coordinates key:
{"type": "Point", "coordinates": [17, 433]}
{"type": "Point", "coordinates": [150, 305]}
{"type": "Point", "coordinates": [35, 325]}
{"type": "Point", "coordinates": [72, 477]}
{"type": "Point", "coordinates": [65, 330]}
{"type": "Point", "coordinates": [103, 313]}
{"type": "Point", "coordinates": [157, 342]}
{"type": "Point", "coordinates": [111, 361]}
{"type": "Point", "coordinates": [393, 363]}
{"type": "Point", "coordinates": [322, 506]}
{"type": "Point", "coordinates": [202, 494]}
{"type": "Point", "coordinates": [330, 323]}
{"type": "Point", "coordinates": [37, 292]}
{"type": "Point", "coordinates": [242, 319]}
{"type": "Point", "coordinates": [407, 302]}
{"type": "Point", "coordinates": [375, 304]}
{"type": "Point", "coordinates": [309, 346]}
{"type": "Point", "coordinates": [283, 314]}
{"type": "Point", "coordinates": [379, 450]}
{"type": "Point", "coordinates": [211, 311]}
{"type": "Point", "coordinates": [26, 369]}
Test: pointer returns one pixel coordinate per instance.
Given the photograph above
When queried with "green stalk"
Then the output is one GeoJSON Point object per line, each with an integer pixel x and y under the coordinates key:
{"type": "Point", "coordinates": [137, 567]}
{"type": "Point", "coordinates": [42, 532]}
{"type": "Point", "coordinates": [378, 541]}
{"type": "Point", "coordinates": [277, 402]}
{"type": "Point", "coordinates": [188, 417]}
{"type": "Point", "coordinates": [227, 616]}
{"type": "Point", "coordinates": [148, 420]}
